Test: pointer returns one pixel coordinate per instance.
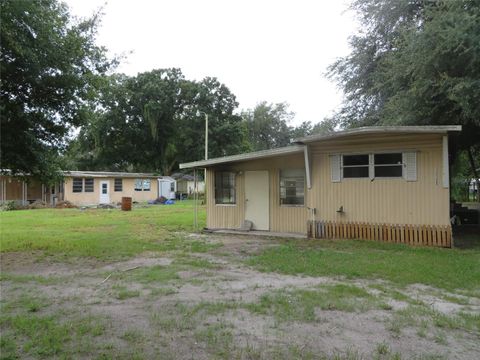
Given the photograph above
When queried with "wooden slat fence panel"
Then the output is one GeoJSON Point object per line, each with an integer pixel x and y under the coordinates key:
{"type": "Point", "coordinates": [417, 235]}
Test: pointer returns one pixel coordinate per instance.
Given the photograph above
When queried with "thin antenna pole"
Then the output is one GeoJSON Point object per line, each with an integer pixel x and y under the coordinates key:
{"type": "Point", "coordinates": [195, 195]}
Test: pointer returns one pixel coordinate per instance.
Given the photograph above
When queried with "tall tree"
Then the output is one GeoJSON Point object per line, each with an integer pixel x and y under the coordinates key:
{"type": "Point", "coordinates": [268, 125]}
{"type": "Point", "coordinates": [50, 70]}
{"type": "Point", "coordinates": [227, 132]}
{"type": "Point", "coordinates": [155, 120]}
{"type": "Point", "coordinates": [415, 62]}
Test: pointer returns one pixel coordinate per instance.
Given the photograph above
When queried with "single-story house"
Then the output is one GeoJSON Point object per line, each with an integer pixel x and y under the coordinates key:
{"type": "Point", "coordinates": [388, 183]}
{"type": "Point", "coordinates": [186, 184]}
{"type": "Point", "coordinates": [86, 188]}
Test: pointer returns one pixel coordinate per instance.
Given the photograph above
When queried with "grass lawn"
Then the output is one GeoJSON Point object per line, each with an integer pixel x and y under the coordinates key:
{"type": "Point", "coordinates": [107, 284]}
{"type": "Point", "coordinates": [450, 269]}
{"type": "Point", "coordinates": [102, 234]}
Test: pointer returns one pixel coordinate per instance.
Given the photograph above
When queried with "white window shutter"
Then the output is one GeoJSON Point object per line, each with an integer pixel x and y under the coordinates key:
{"type": "Point", "coordinates": [410, 166]}
{"type": "Point", "coordinates": [335, 169]}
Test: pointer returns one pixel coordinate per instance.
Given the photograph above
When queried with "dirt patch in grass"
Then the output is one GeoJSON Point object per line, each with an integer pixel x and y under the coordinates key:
{"type": "Point", "coordinates": [209, 303]}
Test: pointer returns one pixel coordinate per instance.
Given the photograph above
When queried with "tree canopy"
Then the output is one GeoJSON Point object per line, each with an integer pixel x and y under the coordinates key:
{"type": "Point", "coordinates": [152, 121]}
{"type": "Point", "coordinates": [414, 63]}
{"type": "Point", "coordinates": [62, 107]}
{"type": "Point", "coordinates": [268, 126]}
{"type": "Point", "coordinates": [50, 70]}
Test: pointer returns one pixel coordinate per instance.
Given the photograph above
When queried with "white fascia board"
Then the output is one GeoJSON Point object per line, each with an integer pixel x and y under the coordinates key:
{"type": "Point", "coordinates": [244, 157]}
{"type": "Point", "coordinates": [104, 174]}
{"type": "Point", "coordinates": [443, 129]}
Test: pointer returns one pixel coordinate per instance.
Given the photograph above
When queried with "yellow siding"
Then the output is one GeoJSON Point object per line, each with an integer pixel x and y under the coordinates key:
{"type": "Point", "coordinates": [225, 216]}
{"type": "Point", "coordinates": [87, 198]}
{"type": "Point", "coordinates": [282, 218]}
{"type": "Point", "coordinates": [392, 201]}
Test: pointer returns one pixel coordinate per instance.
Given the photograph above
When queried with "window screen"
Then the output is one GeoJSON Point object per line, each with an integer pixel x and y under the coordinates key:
{"type": "Point", "coordinates": [224, 187]}
{"type": "Point", "coordinates": [88, 184]}
{"type": "Point", "coordinates": [77, 185]}
{"type": "Point", "coordinates": [292, 187]}
{"type": "Point", "coordinates": [138, 185]}
{"type": "Point", "coordinates": [355, 166]}
{"type": "Point", "coordinates": [118, 186]}
{"type": "Point", "coordinates": [388, 165]}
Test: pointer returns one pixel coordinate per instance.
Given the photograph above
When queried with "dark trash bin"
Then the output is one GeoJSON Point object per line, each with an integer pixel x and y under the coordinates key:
{"type": "Point", "coordinates": [126, 203]}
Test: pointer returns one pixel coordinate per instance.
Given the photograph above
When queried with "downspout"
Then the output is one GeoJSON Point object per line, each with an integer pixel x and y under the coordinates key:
{"type": "Point", "coordinates": [307, 166]}
{"type": "Point", "coordinates": [308, 177]}
{"type": "Point", "coordinates": [446, 164]}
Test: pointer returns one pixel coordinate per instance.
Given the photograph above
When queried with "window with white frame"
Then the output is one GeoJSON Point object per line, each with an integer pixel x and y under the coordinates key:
{"type": "Point", "coordinates": [224, 187]}
{"type": "Point", "coordinates": [355, 166]}
{"type": "Point", "coordinates": [374, 165]}
{"type": "Point", "coordinates": [146, 184]}
{"type": "Point", "coordinates": [142, 185]}
{"type": "Point", "coordinates": [292, 187]}
{"type": "Point", "coordinates": [388, 165]}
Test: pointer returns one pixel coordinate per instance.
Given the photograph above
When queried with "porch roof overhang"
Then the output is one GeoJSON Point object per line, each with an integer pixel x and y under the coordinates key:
{"type": "Point", "coordinates": [287, 150]}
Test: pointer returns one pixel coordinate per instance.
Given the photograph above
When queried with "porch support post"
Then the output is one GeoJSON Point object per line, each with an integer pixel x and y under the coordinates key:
{"type": "Point", "coordinates": [307, 166]}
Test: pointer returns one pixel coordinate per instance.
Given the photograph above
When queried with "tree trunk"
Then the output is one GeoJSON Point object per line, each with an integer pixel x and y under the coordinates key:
{"type": "Point", "coordinates": [474, 172]}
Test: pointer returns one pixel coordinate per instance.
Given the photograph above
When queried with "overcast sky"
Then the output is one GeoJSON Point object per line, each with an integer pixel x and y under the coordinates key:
{"type": "Point", "coordinates": [262, 50]}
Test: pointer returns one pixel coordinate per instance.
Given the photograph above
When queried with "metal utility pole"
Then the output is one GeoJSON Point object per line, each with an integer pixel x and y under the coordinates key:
{"type": "Point", "coordinates": [206, 136]}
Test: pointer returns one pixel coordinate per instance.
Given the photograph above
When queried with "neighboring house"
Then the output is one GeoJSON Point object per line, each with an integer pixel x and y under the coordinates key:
{"type": "Point", "coordinates": [167, 186]}
{"type": "Point", "coordinates": [186, 184]}
{"type": "Point", "coordinates": [382, 183]}
{"type": "Point", "coordinates": [85, 188]}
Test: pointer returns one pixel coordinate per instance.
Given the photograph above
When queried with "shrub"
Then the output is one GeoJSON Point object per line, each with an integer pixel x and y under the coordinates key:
{"type": "Point", "coordinates": [10, 205]}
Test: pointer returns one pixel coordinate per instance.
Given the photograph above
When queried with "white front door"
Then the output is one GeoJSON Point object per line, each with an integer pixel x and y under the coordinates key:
{"type": "Point", "coordinates": [257, 199]}
{"type": "Point", "coordinates": [104, 192]}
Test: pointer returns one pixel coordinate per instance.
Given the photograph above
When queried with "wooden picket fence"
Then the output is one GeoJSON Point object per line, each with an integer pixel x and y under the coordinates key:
{"type": "Point", "coordinates": [422, 235]}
